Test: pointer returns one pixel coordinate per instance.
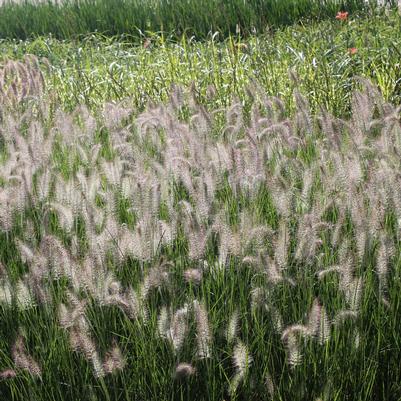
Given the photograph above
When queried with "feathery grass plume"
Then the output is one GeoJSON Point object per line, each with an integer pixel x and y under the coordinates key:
{"type": "Point", "coordinates": [36, 279]}
{"type": "Point", "coordinates": [43, 185]}
{"type": "Point", "coordinates": [211, 92]}
{"type": "Point", "coordinates": [281, 245]}
{"type": "Point", "coordinates": [8, 374]}
{"type": "Point", "coordinates": [308, 240]}
{"type": "Point", "coordinates": [337, 231]}
{"type": "Point", "coordinates": [89, 156]}
{"type": "Point", "coordinates": [289, 337]}
{"type": "Point", "coordinates": [25, 252]}
{"type": "Point", "coordinates": [114, 359]}
{"type": "Point", "coordinates": [113, 171]}
{"type": "Point", "coordinates": [345, 255]}
{"type": "Point", "coordinates": [242, 360]}
{"type": "Point", "coordinates": [303, 120]}
{"type": "Point", "coordinates": [73, 316]}
{"type": "Point", "coordinates": [106, 289]}
{"type": "Point", "coordinates": [324, 327]}
{"type": "Point", "coordinates": [65, 317]}
{"type": "Point", "coordinates": [179, 327]}
{"type": "Point", "coordinates": [295, 329]}
{"type": "Point", "coordinates": [276, 138]}
{"type": "Point", "coordinates": [197, 234]}
{"type": "Point", "coordinates": [21, 81]}
{"type": "Point", "coordinates": [224, 232]}
{"type": "Point", "coordinates": [184, 370]}
{"type": "Point", "coordinates": [232, 328]}
{"type": "Point", "coordinates": [23, 360]}
{"type": "Point", "coordinates": [23, 295]}
{"type": "Point", "coordinates": [149, 235]}
{"type": "Point", "coordinates": [270, 387]}
{"type": "Point", "coordinates": [307, 182]}
{"type": "Point", "coordinates": [258, 298]}
{"type": "Point", "coordinates": [350, 175]}
{"type": "Point", "coordinates": [97, 365]}
{"type": "Point", "coordinates": [176, 99]}
{"type": "Point", "coordinates": [378, 203]}
{"type": "Point", "coordinates": [193, 276]}
{"type": "Point", "coordinates": [314, 318]}
{"type": "Point", "coordinates": [203, 331]}
{"type": "Point", "coordinates": [294, 77]}
{"type": "Point", "coordinates": [115, 114]}
{"type": "Point", "coordinates": [111, 293]}
{"type": "Point", "coordinates": [67, 193]}
{"type": "Point", "coordinates": [163, 322]}
{"type": "Point", "coordinates": [293, 349]}
{"type": "Point", "coordinates": [362, 112]}
{"type": "Point", "coordinates": [359, 217]}
{"type": "Point", "coordinates": [353, 293]}
{"type": "Point", "coordinates": [61, 263]}
{"type": "Point", "coordinates": [81, 341]}
{"type": "Point", "coordinates": [3, 271]}
{"type": "Point", "coordinates": [136, 307]}
{"type": "Point", "coordinates": [156, 277]}
{"type": "Point", "coordinates": [95, 279]}
{"type": "Point", "coordinates": [357, 338]}
{"type": "Point", "coordinates": [234, 120]}
{"type": "Point", "coordinates": [350, 286]}
{"type": "Point", "coordinates": [64, 213]}
{"type": "Point", "coordinates": [282, 197]}
{"type": "Point", "coordinates": [89, 185]}
{"type": "Point", "coordinates": [6, 292]}
{"type": "Point", "coordinates": [201, 121]}
{"type": "Point", "coordinates": [87, 123]}
{"type": "Point", "coordinates": [274, 272]}
{"type": "Point", "coordinates": [253, 234]}
{"type": "Point", "coordinates": [6, 212]}
{"type": "Point", "coordinates": [330, 129]}
{"type": "Point", "coordinates": [384, 253]}
{"type": "Point", "coordinates": [342, 271]}
{"type": "Point", "coordinates": [39, 146]}
{"type": "Point", "coordinates": [343, 316]}
{"type": "Point", "coordinates": [252, 261]}
{"type": "Point", "coordinates": [204, 189]}
{"type": "Point", "coordinates": [277, 320]}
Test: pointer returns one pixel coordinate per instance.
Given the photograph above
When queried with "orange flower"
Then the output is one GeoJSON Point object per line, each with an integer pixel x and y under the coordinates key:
{"type": "Point", "coordinates": [342, 15]}
{"type": "Point", "coordinates": [352, 50]}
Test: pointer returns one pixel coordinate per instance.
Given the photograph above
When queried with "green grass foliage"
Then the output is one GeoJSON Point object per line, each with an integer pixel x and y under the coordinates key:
{"type": "Point", "coordinates": [71, 18]}
{"type": "Point", "coordinates": [98, 69]}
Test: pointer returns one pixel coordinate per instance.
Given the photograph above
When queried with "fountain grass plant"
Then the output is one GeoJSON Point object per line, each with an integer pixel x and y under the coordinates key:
{"type": "Point", "coordinates": [186, 252]}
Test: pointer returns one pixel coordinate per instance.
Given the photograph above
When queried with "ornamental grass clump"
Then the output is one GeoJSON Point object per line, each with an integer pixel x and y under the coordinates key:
{"type": "Point", "coordinates": [265, 239]}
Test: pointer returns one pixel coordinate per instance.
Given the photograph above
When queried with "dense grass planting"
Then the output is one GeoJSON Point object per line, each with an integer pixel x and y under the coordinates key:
{"type": "Point", "coordinates": [98, 69]}
{"type": "Point", "coordinates": [187, 253]}
{"type": "Point", "coordinates": [69, 18]}
{"type": "Point", "coordinates": [201, 220]}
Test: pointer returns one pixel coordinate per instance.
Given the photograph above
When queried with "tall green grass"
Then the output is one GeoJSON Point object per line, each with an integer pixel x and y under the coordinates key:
{"type": "Point", "coordinates": [98, 69]}
{"type": "Point", "coordinates": [71, 18]}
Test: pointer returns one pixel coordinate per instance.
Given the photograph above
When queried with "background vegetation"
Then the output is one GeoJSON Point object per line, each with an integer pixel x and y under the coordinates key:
{"type": "Point", "coordinates": [71, 18]}
{"type": "Point", "coordinates": [96, 69]}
